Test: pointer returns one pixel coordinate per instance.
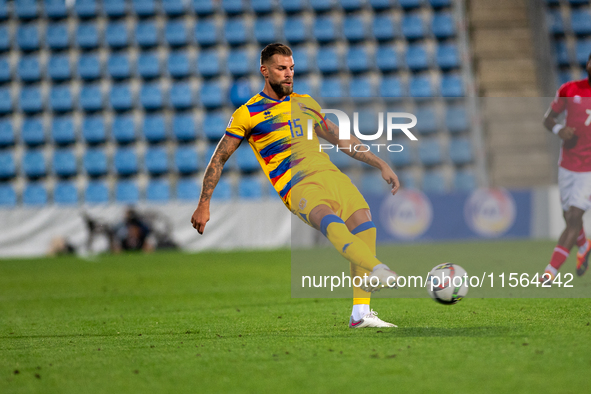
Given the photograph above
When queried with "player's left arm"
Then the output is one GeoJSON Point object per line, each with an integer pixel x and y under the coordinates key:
{"type": "Point", "coordinates": [331, 132]}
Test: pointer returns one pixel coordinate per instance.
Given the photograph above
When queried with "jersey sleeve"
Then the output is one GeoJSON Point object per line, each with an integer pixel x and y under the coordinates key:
{"type": "Point", "coordinates": [239, 124]}
{"type": "Point", "coordinates": [559, 103]}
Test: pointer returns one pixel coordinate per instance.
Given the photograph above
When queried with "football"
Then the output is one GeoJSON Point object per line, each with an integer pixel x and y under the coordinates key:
{"type": "Point", "coordinates": [447, 283]}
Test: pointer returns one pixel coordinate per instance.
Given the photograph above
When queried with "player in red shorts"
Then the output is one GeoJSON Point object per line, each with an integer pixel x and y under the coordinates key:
{"type": "Point", "coordinates": [574, 172]}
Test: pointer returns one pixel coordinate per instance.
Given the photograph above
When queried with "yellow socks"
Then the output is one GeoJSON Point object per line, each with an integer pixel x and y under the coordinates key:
{"type": "Point", "coordinates": [367, 233]}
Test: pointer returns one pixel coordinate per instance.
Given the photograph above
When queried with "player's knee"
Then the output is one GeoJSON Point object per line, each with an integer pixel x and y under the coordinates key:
{"type": "Point", "coordinates": [574, 218]}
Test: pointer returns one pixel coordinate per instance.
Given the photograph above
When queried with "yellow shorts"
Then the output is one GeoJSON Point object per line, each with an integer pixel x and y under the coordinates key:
{"type": "Point", "coordinates": [332, 188]}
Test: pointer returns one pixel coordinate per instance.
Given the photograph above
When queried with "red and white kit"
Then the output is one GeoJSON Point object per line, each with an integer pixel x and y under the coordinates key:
{"type": "Point", "coordinates": [574, 174]}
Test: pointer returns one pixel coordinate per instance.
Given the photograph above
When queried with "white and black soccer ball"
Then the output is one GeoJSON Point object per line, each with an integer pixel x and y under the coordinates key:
{"type": "Point", "coordinates": [447, 283]}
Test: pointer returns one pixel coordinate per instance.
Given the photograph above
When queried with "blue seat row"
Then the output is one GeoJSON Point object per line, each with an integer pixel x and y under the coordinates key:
{"type": "Point", "coordinates": [579, 22]}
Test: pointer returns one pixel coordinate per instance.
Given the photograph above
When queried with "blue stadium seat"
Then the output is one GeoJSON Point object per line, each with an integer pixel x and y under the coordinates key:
{"type": "Point", "coordinates": [118, 66]}
{"type": "Point", "coordinates": [233, 7]}
{"type": "Point", "coordinates": [421, 87]}
{"type": "Point", "coordinates": [3, 10]}
{"type": "Point", "coordinates": [293, 6]}
{"type": "Point", "coordinates": [33, 163]}
{"type": "Point", "coordinates": [176, 34]}
{"type": "Point", "coordinates": [352, 5]}
{"type": "Point", "coordinates": [26, 9]}
{"type": "Point", "coordinates": [146, 34]}
{"type": "Point", "coordinates": [183, 127]}
{"type": "Point", "coordinates": [555, 22]}
{"type": "Point", "coordinates": [564, 76]}
{"type": "Point", "coordinates": [123, 129]}
{"type": "Point", "coordinates": [262, 6]}
{"type": "Point", "coordinates": [430, 152]}
{"type": "Point", "coordinates": [236, 32]}
{"type": "Point", "coordinates": [410, 4]}
{"type": "Point", "coordinates": [32, 131]}
{"type": "Point", "coordinates": [329, 61]}
{"type": "Point", "coordinates": [115, 8]}
{"type": "Point", "coordinates": [144, 8]}
{"type": "Point", "coordinates": [413, 27]}
{"type": "Point", "coordinates": [302, 60]}
{"type": "Point", "coordinates": [4, 38]}
{"type": "Point", "coordinates": [91, 98]}
{"type": "Point", "coordinates": [27, 37]}
{"type": "Point", "coordinates": [5, 72]}
{"type": "Point", "coordinates": [326, 29]}
{"type": "Point", "coordinates": [246, 160]}
{"type": "Point", "coordinates": [212, 95]}
{"type": "Point", "coordinates": [452, 86]}
{"type": "Point", "coordinates": [582, 51]}
{"type": "Point", "coordinates": [187, 190]}
{"type": "Point", "coordinates": [86, 8]}
{"type": "Point", "coordinates": [265, 30]}
{"type": "Point", "coordinates": [223, 190]}
{"type": "Point", "coordinates": [7, 165]}
{"type": "Point", "coordinates": [295, 30]}
{"type": "Point", "coordinates": [391, 87]}
{"type": "Point", "coordinates": [383, 28]}
{"type": "Point", "coordinates": [93, 130]}
{"type": "Point", "coordinates": [57, 36]}
{"type": "Point", "coordinates": [154, 128]}
{"type": "Point", "coordinates": [151, 97]}
{"type": "Point", "coordinates": [433, 182]}
{"type": "Point", "coordinates": [214, 125]}
{"type": "Point", "coordinates": [59, 68]}
{"type": "Point", "coordinates": [94, 162]}
{"type": "Point", "coordinates": [355, 28]}
{"type": "Point", "coordinates": [456, 119]}
{"type": "Point", "coordinates": [580, 21]}
{"type": "Point", "coordinates": [126, 191]}
{"type": "Point", "coordinates": [302, 85]}
{"type": "Point", "coordinates": [562, 56]}
{"type": "Point", "coordinates": [89, 67]}
{"type": "Point", "coordinates": [64, 163]}
{"type": "Point", "coordinates": [60, 98]}
{"type": "Point", "coordinates": [125, 161]}
{"type": "Point", "coordinates": [62, 130]}
{"type": "Point", "coordinates": [55, 9]}
{"type": "Point", "coordinates": [28, 68]}
{"type": "Point", "coordinates": [438, 4]}
{"type": "Point", "coordinates": [120, 97]}
{"type": "Point", "coordinates": [465, 181]}
{"type": "Point", "coordinates": [35, 194]}
{"type": "Point", "coordinates": [178, 64]}
{"type": "Point", "coordinates": [207, 33]}
{"type": "Point", "coordinates": [571, 2]}
{"type": "Point", "coordinates": [443, 25]}
{"type": "Point", "coordinates": [6, 134]}
{"type": "Point", "coordinates": [361, 89]}
{"type": "Point", "coordinates": [460, 151]}
{"type": "Point", "coordinates": [447, 56]}
{"type": "Point", "coordinates": [174, 7]}
{"type": "Point", "coordinates": [116, 34]}
{"type": "Point", "coordinates": [158, 190]}
{"type": "Point", "coordinates": [96, 192]}
{"type": "Point", "coordinates": [381, 5]}
{"type": "Point", "coordinates": [239, 63]}
{"type": "Point", "coordinates": [148, 65]}
{"type": "Point", "coordinates": [205, 7]}
{"type": "Point", "coordinates": [156, 160]}
{"type": "Point", "coordinates": [30, 100]}
{"type": "Point", "coordinates": [372, 183]}
{"type": "Point", "coordinates": [250, 188]}
{"type": "Point", "coordinates": [359, 60]}
{"type": "Point", "coordinates": [427, 122]}
{"type": "Point", "coordinates": [387, 58]}
{"type": "Point", "coordinates": [65, 193]}
{"type": "Point", "coordinates": [417, 57]}
{"type": "Point", "coordinates": [332, 89]}
{"type": "Point", "coordinates": [7, 196]}
{"type": "Point", "coordinates": [87, 36]}
{"type": "Point", "coordinates": [404, 157]}
{"type": "Point", "coordinates": [186, 160]}
{"type": "Point", "coordinates": [240, 92]}
{"type": "Point", "coordinates": [180, 96]}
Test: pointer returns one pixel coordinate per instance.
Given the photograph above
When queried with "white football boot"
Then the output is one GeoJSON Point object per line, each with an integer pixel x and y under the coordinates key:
{"type": "Point", "coordinates": [369, 320]}
{"type": "Point", "coordinates": [386, 278]}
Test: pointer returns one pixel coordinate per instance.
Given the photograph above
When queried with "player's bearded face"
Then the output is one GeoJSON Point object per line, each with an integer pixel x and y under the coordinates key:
{"type": "Point", "coordinates": [282, 87]}
{"type": "Point", "coordinates": [281, 76]}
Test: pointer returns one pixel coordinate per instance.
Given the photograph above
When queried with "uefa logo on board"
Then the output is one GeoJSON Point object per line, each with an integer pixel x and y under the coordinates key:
{"type": "Point", "coordinates": [408, 215]}
{"type": "Point", "coordinates": [490, 212]}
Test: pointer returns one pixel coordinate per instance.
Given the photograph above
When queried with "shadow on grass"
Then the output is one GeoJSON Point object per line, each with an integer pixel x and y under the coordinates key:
{"type": "Point", "coordinates": [449, 332]}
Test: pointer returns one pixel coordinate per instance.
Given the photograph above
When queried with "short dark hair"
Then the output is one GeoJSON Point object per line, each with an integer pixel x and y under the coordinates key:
{"type": "Point", "coordinates": [274, 49]}
{"type": "Point", "coordinates": [589, 58]}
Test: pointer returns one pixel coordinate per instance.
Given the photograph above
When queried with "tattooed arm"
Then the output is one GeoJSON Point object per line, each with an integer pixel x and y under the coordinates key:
{"type": "Point", "coordinates": [347, 146]}
{"type": "Point", "coordinates": [213, 172]}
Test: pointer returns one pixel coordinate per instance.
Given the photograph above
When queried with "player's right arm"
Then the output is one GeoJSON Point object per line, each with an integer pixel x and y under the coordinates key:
{"type": "Point", "coordinates": [556, 108]}
{"type": "Point", "coordinates": [235, 132]}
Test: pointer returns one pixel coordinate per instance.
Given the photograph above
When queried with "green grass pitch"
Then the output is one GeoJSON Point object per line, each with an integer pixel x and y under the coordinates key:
{"type": "Point", "coordinates": [225, 322]}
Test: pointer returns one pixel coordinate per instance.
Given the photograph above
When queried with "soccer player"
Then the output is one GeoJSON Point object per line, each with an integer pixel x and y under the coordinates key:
{"type": "Point", "coordinates": [574, 172]}
{"type": "Point", "coordinates": [274, 123]}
